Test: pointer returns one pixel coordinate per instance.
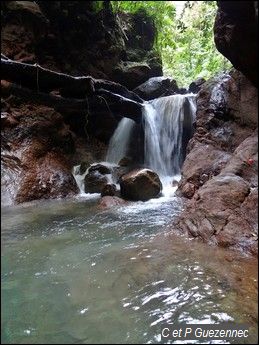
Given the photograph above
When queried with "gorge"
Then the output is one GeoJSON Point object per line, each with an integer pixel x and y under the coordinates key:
{"type": "Point", "coordinates": [127, 201]}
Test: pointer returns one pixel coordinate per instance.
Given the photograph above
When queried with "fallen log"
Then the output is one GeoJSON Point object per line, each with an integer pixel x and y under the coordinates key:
{"type": "Point", "coordinates": [118, 105]}
{"type": "Point", "coordinates": [43, 79]}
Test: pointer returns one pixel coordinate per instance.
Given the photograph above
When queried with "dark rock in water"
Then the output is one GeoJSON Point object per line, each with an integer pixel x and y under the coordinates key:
{"type": "Point", "coordinates": [157, 87]}
{"type": "Point", "coordinates": [125, 161]}
{"type": "Point", "coordinates": [140, 184]}
{"type": "Point", "coordinates": [111, 201]}
{"type": "Point", "coordinates": [7, 120]}
{"type": "Point", "coordinates": [119, 172]}
{"type": "Point", "coordinates": [195, 86]}
{"type": "Point", "coordinates": [109, 190]}
{"type": "Point", "coordinates": [235, 34]}
{"type": "Point", "coordinates": [83, 167]}
{"type": "Point", "coordinates": [100, 168]}
{"type": "Point", "coordinates": [182, 91]}
{"type": "Point", "coordinates": [96, 178]}
{"type": "Point", "coordinates": [95, 182]}
{"type": "Point", "coordinates": [175, 183]}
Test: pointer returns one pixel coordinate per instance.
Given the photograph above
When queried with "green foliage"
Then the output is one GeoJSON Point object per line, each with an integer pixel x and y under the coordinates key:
{"type": "Point", "coordinates": [195, 54]}
{"type": "Point", "coordinates": [162, 12]}
{"type": "Point", "coordinates": [186, 43]}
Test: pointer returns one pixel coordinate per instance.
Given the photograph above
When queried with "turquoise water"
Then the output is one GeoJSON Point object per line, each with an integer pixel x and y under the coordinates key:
{"type": "Point", "coordinates": [75, 274]}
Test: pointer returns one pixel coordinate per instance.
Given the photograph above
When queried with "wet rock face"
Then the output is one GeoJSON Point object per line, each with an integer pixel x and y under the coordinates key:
{"type": "Point", "coordinates": [35, 155]}
{"type": "Point", "coordinates": [235, 33]}
{"type": "Point", "coordinates": [66, 40]}
{"type": "Point", "coordinates": [140, 184]}
{"type": "Point", "coordinates": [72, 37]}
{"type": "Point", "coordinates": [219, 175]}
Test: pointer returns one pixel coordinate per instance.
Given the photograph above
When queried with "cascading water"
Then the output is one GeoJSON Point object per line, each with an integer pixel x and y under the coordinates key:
{"type": "Point", "coordinates": [118, 145]}
{"type": "Point", "coordinates": [117, 149]}
{"type": "Point", "coordinates": [168, 121]}
{"type": "Point", "coordinates": [168, 125]}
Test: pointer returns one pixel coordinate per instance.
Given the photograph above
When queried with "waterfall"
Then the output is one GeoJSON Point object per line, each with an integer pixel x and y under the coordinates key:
{"type": "Point", "coordinates": [168, 126]}
{"type": "Point", "coordinates": [118, 145]}
{"type": "Point", "coordinates": [165, 119]}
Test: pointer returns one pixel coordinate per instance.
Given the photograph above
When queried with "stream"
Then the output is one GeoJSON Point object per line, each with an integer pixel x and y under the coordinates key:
{"type": "Point", "coordinates": [73, 273]}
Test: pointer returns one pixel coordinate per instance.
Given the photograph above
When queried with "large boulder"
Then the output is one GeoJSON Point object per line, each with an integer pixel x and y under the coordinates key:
{"type": "Point", "coordinates": [131, 73]}
{"type": "Point", "coordinates": [157, 87]}
{"type": "Point", "coordinates": [96, 178]}
{"type": "Point", "coordinates": [235, 34]}
{"type": "Point", "coordinates": [140, 184]}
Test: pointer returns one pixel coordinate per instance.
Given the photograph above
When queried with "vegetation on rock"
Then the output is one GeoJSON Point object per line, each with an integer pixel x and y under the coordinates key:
{"type": "Point", "coordinates": [185, 42]}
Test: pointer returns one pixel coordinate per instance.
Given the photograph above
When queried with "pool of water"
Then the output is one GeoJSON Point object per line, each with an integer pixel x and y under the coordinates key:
{"type": "Point", "coordinates": [75, 274]}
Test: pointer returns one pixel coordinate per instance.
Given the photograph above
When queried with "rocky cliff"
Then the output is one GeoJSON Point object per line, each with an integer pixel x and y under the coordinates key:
{"type": "Point", "coordinates": [40, 145]}
{"type": "Point", "coordinates": [236, 35]}
{"type": "Point", "coordinates": [220, 172]}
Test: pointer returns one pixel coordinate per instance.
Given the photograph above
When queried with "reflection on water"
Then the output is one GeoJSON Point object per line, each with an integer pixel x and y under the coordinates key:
{"type": "Point", "coordinates": [74, 274]}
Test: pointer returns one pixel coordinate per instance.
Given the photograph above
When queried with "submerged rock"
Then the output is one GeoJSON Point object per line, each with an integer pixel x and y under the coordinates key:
{"type": "Point", "coordinates": [95, 182]}
{"type": "Point", "coordinates": [140, 184]}
{"type": "Point", "coordinates": [109, 190]}
{"type": "Point", "coordinates": [110, 201]}
{"type": "Point", "coordinates": [97, 177]}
